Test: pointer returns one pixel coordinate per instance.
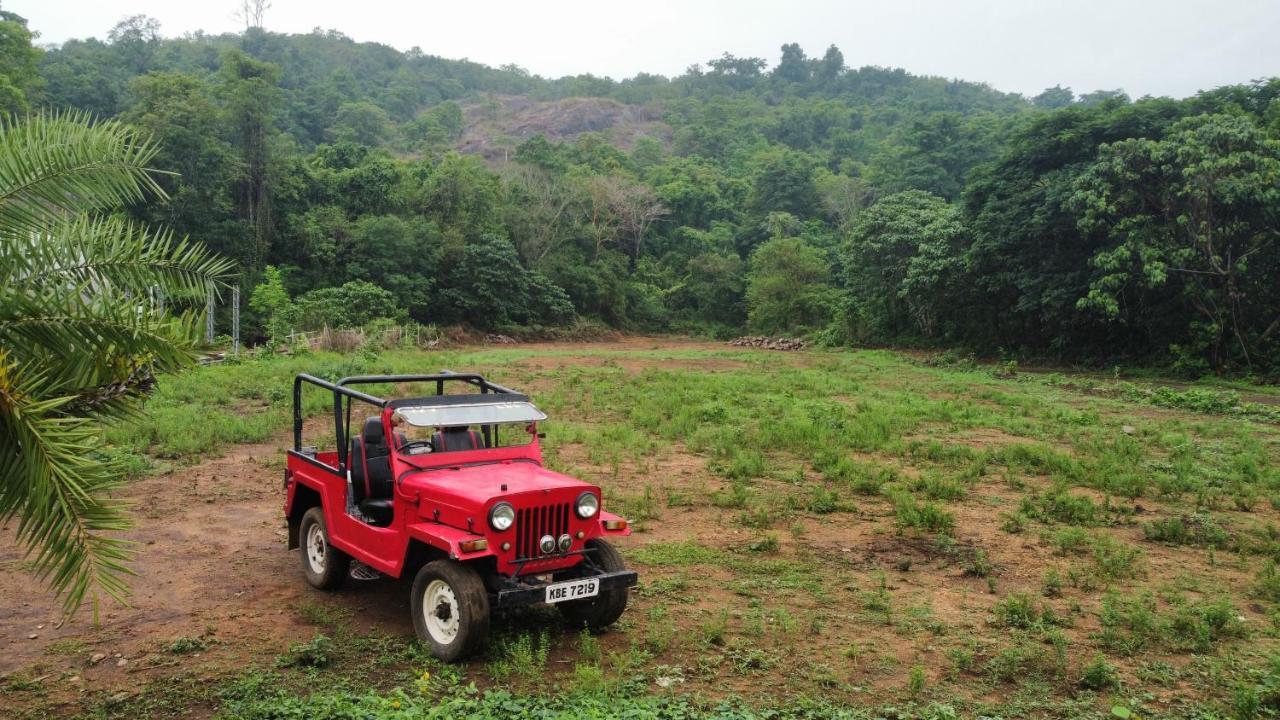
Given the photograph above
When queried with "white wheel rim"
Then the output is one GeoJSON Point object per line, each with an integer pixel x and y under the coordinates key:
{"type": "Point", "coordinates": [316, 547]}
{"type": "Point", "coordinates": [440, 611]}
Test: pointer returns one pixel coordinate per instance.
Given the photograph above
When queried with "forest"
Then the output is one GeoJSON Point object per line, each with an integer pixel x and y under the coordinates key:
{"type": "Point", "coordinates": [853, 206]}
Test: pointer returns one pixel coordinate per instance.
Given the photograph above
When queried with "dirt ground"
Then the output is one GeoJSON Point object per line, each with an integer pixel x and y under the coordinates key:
{"type": "Point", "coordinates": [211, 561]}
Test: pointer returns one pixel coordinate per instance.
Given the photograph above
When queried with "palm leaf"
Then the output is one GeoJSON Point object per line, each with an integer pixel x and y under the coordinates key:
{"type": "Point", "coordinates": [52, 478]}
{"type": "Point", "coordinates": [57, 164]}
{"type": "Point", "coordinates": [109, 252]}
{"type": "Point", "coordinates": [80, 339]}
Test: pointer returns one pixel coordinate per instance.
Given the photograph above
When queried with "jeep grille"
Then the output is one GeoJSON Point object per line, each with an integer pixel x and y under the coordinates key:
{"type": "Point", "coordinates": [533, 523]}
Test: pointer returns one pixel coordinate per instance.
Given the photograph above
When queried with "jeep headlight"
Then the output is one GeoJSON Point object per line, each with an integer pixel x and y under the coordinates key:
{"type": "Point", "coordinates": [588, 505]}
{"type": "Point", "coordinates": [502, 516]}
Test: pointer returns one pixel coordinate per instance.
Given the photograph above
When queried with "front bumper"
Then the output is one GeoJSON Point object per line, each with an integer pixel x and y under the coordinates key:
{"type": "Point", "coordinates": [531, 592]}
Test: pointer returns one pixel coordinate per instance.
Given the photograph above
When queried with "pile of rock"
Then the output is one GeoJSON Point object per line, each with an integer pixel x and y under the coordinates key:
{"type": "Point", "coordinates": [768, 343]}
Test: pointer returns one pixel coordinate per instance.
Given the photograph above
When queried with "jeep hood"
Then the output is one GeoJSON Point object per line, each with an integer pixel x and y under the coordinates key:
{"type": "Point", "coordinates": [474, 486]}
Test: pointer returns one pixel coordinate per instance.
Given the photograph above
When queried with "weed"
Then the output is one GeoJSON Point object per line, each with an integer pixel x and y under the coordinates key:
{"type": "Point", "coordinates": [823, 501]}
{"type": "Point", "coordinates": [1024, 660]}
{"type": "Point", "coordinates": [639, 508]}
{"type": "Point", "coordinates": [735, 495]}
{"type": "Point", "coordinates": [1017, 610]}
{"type": "Point", "coordinates": [523, 656]}
{"type": "Point", "coordinates": [315, 653]}
{"type": "Point", "coordinates": [588, 647]}
{"type": "Point", "coordinates": [1051, 586]}
{"type": "Point", "coordinates": [324, 614]}
{"type": "Point", "coordinates": [1198, 529]}
{"type": "Point", "coordinates": [923, 516]}
{"type": "Point", "coordinates": [962, 659]}
{"type": "Point", "coordinates": [765, 544]}
{"type": "Point", "coordinates": [1131, 624]}
{"type": "Point", "coordinates": [1115, 559]}
{"type": "Point", "coordinates": [978, 564]}
{"type": "Point", "coordinates": [879, 601]}
{"type": "Point", "coordinates": [1099, 674]}
{"type": "Point", "coordinates": [750, 660]}
{"type": "Point", "coordinates": [1069, 540]}
{"type": "Point", "coordinates": [915, 680]}
{"type": "Point", "coordinates": [713, 631]}
{"type": "Point", "coordinates": [1013, 523]}
{"type": "Point", "coordinates": [184, 645]}
{"type": "Point", "coordinates": [1267, 586]}
{"type": "Point", "coordinates": [1061, 507]}
{"type": "Point", "coordinates": [68, 646]}
{"type": "Point", "coordinates": [760, 517]}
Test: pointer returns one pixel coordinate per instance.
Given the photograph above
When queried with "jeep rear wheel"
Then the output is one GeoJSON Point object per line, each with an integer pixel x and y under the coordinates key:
{"type": "Point", "coordinates": [450, 609]}
{"type": "Point", "coordinates": [599, 612]}
{"type": "Point", "coordinates": [324, 565]}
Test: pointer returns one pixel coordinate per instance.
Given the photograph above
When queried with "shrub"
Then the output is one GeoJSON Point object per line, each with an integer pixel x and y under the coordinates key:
{"type": "Point", "coordinates": [315, 653]}
{"type": "Point", "coordinates": [1017, 610]}
{"type": "Point", "coordinates": [924, 516]}
{"type": "Point", "coordinates": [1198, 529]}
{"type": "Point", "coordinates": [823, 501]}
{"type": "Point", "coordinates": [1267, 586]}
{"type": "Point", "coordinates": [1061, 506]}
{"type": "Point", "coordinates": [1099, 674]}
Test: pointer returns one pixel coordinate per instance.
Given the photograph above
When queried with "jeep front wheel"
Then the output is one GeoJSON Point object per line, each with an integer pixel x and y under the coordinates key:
{"type": "Point", "coordinates": [324, 565]}
{"type": "Point", "coordinates": [450, 609]}
{"type": "Point", "coordinates": [599, 612]}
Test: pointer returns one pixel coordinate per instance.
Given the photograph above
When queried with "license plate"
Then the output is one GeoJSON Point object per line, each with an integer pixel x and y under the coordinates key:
{"type": "Point", "coordinates": [573, 590]}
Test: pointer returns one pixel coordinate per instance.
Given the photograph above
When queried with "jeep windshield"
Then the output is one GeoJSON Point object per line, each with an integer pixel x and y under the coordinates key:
{"type": "Point", "coordinates": [457, 414]}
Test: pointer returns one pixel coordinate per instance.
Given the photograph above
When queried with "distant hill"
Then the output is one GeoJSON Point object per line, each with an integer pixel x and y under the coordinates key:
{"type": "Point", "coordinates": [321, 71]}
{"type": "Point", "coordinates": [497, 124]}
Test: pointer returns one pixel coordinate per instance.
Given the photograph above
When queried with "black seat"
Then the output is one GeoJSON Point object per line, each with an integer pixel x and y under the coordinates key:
{"type": "Point", "coordinates": [371, 480]}
{"type": "Point", "coordinates": [456, 438]}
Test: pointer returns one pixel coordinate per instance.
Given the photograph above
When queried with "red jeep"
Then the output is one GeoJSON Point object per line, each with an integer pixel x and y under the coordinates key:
{"type": "Point", "coordinates": [450, 488]}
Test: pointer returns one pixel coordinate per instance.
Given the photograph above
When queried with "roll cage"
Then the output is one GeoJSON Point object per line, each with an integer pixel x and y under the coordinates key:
{"type": "Point", "coordinates": [342, 415]}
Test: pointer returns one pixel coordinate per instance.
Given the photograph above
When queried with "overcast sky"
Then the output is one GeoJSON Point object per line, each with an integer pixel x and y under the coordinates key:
{"type": "Point", "coordinates": [1156, 47]}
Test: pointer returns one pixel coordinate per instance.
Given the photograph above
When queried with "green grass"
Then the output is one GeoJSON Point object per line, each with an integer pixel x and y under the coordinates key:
{"type": "Point", "coordinates": [824, 496]}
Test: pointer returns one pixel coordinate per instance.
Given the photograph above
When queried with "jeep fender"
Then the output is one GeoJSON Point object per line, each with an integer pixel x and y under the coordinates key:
{"type": "Point", "coordinates": [610, 517]}
{"type": "Point", "coordinates": [447, 539]}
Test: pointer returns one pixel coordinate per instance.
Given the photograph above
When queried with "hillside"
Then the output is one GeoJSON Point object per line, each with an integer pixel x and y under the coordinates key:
{"type": "Point", "coordinates": [496, 125]}
{"type": "Point", "coordinates": [802, 197]}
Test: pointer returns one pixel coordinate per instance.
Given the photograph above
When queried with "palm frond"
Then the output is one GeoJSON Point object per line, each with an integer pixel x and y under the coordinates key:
{"type": "Point", "coordinates": [85, 342]}
{"type": "Point", "coordinates": [53, 478]}
{"type": "Point", "coordinates": [109, 252]}
{"type": "Point", "coordinates": [80, 338]}
{"type": "Point", "coordinates": [54, 164]}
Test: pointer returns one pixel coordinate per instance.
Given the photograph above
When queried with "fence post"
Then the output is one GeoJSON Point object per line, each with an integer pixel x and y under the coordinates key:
{"type": "Point", "coordinates": [235, 320]}
{"type": "Point", "coordinates": [208, 319]}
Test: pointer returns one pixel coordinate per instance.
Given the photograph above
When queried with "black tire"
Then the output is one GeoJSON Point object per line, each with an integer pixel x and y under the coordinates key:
{"type": "Point", "coordinates": [599, 612]}
{"type": "Point", "coordinates": [454, 588]}
{"type": "Point", "coordinates": [325, 566]}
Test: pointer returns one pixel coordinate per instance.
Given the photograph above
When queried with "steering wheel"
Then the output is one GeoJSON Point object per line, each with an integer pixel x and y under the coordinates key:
{"type": "Point", "coordinates": [420, 446]}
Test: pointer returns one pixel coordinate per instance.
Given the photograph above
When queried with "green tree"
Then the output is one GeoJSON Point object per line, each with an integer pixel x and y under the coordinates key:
{"type": "Point", "coordinates": [830, 66]}
{"type": "Point", "coordinates": [353, 304]}
{"type": "Point", "coordinates": [20, 81]}
{"type": "Point", "coordinates": [271, 300]}
{"type": "Point", "coordinates": [74, 278]}
{"type": "Point", "coordinates": [1029, 259]}
{"type": "Point", "coordinates": [903, 264]}
{"type": "Point", "coordinates": [1198, 210]}
{"type": "Point", "coordinates": [490, 288]}
{"type": "Point", "coordinates": [136, 39]}
{"type": "Point", "coordinates": [361, 122]}
{"type": "Point", "coordinates": [783, 182]}
{"type": "Point", "coordinates": [178, 110]}
{"type": "Point", "coordinates": [789, 288]}
{"type": "Point", "coordinates": [249, 98]}
{"type": "Point", "coordinates": [1054, 98]}
{"type": "Point", "coordinates": [793, 67]}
